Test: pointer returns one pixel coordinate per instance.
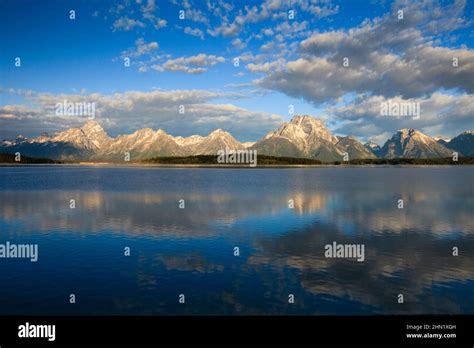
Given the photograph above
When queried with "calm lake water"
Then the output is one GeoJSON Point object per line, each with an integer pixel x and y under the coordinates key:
{"type": "Point", "coordinates": [191, 251]}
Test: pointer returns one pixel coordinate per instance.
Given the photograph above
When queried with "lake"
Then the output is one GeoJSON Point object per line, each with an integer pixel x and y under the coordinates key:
{"type": "Point", "coordinates": [244, 242]}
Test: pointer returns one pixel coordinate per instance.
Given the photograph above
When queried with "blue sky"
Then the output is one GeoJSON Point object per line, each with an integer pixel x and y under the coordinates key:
{"type": "Point", "coordinates": [283, 61]}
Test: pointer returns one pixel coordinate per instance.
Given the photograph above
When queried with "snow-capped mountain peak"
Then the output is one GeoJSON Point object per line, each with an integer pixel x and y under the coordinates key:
{"type": "Point", "coordinates": [188, 141]}
{"type": "Point", "coordinates": [307, 135]}
{"type": "Point", "coordinates": [372, 145]}
{"type": "Point", "coordinates": [91, 136]}
{"type": "Point", "coordinates": [303, 130]}
{"type": "Point", "coordinates": [302, 136]}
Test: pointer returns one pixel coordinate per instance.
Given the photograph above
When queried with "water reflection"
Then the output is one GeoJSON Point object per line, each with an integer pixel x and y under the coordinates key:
{"type": "Point", "coordinates": [190, 250]}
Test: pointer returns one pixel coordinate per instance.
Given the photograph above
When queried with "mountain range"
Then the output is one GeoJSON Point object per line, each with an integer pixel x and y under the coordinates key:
{"type": "Point", "coordinates": [303, 136]}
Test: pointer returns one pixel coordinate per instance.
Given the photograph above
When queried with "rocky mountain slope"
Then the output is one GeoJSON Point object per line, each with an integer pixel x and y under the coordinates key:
{"type": "Point", "coordinates": [302, 136]}
{"type": "Point", "coordinates": [354, 148]}
{"type": "Point", "coordinates": [373, 147]}
{"type": "Point", "coordinates": [463, 143]}
{"type": "Point", "coordinates": [410, 143]}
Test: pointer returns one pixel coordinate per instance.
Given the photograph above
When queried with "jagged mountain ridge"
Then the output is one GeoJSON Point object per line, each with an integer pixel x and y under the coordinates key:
{"type": "Point", "coordinates": [354, 148]}
{"type": "Point", "coordinates": [373, 147]}
{"type": "Point", "coordinates": [142, 144]}
{"type": "Point", "coordinates": [302, 136]}
{"type": "Point", "coordinates": [463, 143]}
{"type": "Point", "coordinates": [410, 143]}
{"type": "Point", "coordinates": [91, 142]}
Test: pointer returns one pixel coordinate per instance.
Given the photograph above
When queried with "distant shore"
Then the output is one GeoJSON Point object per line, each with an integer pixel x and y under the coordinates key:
{"type": "Point", "coordinates": [209, 161]}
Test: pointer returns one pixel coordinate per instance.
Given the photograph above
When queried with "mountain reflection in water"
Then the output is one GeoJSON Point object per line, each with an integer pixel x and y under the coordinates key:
{"type": "Point", "coordinates": [190, 251]}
